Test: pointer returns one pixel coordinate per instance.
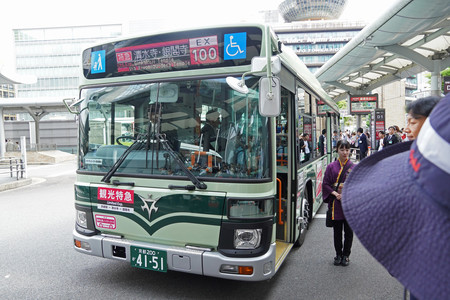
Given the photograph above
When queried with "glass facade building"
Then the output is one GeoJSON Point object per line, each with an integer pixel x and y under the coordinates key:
{"type": "Point", "coordinates": [53, 55]}
{"type": "Point", "coordinates": [315, 42]}
{"type": "Point", "coordinates": [7, 91]}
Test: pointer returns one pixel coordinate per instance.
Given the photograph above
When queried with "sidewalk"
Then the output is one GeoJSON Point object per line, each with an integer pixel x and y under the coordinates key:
{"type": "Point", "coordinates": [50, 158]}
{"type": "Point", "coordinates": [8, 183]}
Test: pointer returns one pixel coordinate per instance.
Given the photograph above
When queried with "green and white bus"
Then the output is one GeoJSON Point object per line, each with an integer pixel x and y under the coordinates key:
{"type": "Point", "coordinates": [188, 154]}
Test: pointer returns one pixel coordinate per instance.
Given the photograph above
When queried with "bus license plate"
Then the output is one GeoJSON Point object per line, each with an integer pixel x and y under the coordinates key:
{"type": "Point", "coordinates": [150, 259]}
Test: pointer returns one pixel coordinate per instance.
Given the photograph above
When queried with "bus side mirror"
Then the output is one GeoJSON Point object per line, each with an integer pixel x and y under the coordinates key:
{"type": "Point", "coordinates": [74, 106]}
{"type": "Point", "coordinates": [269, 96]}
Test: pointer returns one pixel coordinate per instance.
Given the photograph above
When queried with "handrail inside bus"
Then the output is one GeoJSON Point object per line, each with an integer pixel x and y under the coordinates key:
{"type": "Point", "coordinates": [280, 209]}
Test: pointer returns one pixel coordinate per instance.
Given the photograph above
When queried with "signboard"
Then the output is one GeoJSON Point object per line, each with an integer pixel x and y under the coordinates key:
{"type": "Point", "coordinates": [446, 84]}
{"type": "Point", "coordinates": [380, 121]}
{"type": "Point", "coordinates": [176, 51]}
{"type": "Point", "coordinates": [307, 127]}
{"type": "Point", "coordinates": [166, 55]}
{"type": "Point", "coordinates": [322, 108]}
{"type": "Point", "coordinates": [364, 104]}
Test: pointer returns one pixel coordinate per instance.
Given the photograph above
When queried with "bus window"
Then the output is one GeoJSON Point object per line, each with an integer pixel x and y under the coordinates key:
{"type": "Point", "coordinates": [216, 131]}
{"type": "Point", "coordinates": [304, 140]}
{"type": "Point", "coordinates": [307, 103]}
{"type": "Point", "coordinates": [282, 131]}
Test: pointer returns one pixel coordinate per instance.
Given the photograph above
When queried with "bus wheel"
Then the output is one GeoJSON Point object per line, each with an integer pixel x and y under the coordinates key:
{"type": "Point", "coordinates": [304, 225]}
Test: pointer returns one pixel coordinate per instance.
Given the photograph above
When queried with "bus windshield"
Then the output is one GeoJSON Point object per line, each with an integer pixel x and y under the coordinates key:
{"type": "Point", "coordinates": [215, 131]}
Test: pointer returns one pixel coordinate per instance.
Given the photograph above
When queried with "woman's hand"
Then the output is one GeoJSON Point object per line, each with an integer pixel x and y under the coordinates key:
{"type": "Point", "coordinates": [337, 195]}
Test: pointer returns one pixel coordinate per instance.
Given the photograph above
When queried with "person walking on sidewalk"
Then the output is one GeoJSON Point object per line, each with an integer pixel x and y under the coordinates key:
{"type": "Point", "coordinates": [335, 173]}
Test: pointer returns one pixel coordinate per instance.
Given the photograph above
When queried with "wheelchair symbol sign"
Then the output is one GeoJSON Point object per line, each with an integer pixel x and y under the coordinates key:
{"type": "Point", "coordinates": [235, 46]}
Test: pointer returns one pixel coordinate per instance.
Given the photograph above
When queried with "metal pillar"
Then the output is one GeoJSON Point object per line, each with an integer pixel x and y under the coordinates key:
{"type": "Point", "coordinates": [23, 150]}
{"type": "Point", "coordinates": [2, 135]}
{"type": "Point", "coordinates": [436, 79]}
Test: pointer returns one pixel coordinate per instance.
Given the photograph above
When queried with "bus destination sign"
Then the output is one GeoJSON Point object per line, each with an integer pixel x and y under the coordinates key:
{"type": "Point", "coordinates": [178, 51]}
{"type": "Point", "coordinates": [166, 55]}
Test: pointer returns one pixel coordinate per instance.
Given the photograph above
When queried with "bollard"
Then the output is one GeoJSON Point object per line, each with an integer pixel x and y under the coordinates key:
{"type": "Point", "coordinates": [23, 150]}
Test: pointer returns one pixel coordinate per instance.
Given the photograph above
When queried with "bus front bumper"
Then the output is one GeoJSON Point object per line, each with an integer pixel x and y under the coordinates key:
{"type": "Point", "coordinates": [182, 259]}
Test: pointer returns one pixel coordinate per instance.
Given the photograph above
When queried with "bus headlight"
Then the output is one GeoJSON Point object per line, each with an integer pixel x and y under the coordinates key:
{"type": "Point", "coordinates": [247, 238]}
{"type": "Point", "coordinates": [81, 218]}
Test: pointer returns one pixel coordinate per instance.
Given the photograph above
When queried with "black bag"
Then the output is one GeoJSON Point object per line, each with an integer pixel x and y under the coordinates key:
{"type": "Point", "coordinates": [329, 222]}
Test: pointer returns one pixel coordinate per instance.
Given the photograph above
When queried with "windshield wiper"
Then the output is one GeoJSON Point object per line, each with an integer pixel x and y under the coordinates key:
{"type": "Point", "coordinates": [198, 184]}
{"type": "Point", "coordinates": [118, 163]}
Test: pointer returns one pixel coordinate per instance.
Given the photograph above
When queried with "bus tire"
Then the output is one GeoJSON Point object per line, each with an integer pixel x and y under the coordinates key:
{"type": "Point", "coordinates": [304, 226]}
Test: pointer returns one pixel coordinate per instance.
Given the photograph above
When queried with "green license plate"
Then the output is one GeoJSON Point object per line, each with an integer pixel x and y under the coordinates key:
{"type": "Point", "coordinates": [150, 259]}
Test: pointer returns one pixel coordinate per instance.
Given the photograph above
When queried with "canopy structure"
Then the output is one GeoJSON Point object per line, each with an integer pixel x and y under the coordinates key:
{"type": "Point", "coordinates": [14, 78]}
{"type": "Point", "coordinates": [37, 108]}
{"type": "Point", "coordinates": [411, 37]}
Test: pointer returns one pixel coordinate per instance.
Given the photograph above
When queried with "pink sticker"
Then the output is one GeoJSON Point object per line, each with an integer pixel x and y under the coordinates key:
{"type": "Point", "coordinates": [106, 222]}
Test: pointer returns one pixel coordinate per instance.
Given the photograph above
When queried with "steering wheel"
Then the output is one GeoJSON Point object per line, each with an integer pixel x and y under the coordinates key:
{"type": "Point", "coordinates": [123, 137]}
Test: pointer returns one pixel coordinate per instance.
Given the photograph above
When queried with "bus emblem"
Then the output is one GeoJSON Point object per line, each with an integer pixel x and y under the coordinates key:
{"type": "Point", "coordinates": [152, 207]}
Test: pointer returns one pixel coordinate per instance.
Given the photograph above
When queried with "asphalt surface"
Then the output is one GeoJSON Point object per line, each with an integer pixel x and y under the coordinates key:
{"type": "Point", "coordinates": [37, 260]}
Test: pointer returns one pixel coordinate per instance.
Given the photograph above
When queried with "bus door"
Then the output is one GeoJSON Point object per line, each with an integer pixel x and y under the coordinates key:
{"type": "Point", "coordinates": [285, 156]}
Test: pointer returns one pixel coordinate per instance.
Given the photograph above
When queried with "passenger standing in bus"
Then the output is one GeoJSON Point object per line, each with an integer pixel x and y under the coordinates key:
{"type": "Point", "coordinates": [418, 111]}
{"type": "Point", "coordinates": [397, 202]}
{"type": "Point", "coordinates": [209, 130]}
{"type": "Point", "coordinates": [322, 140]}
{"type": "Point", "coordinates": [304, 147]}
{"type": "Point", "coordinates": [333, 182]}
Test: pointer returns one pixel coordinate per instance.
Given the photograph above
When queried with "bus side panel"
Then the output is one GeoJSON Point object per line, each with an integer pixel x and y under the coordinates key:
{"type": "Point", "coordinates": [320, 166]}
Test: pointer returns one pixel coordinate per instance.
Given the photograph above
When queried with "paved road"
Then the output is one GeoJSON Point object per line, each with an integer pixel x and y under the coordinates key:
{"type": "Point", "coordinates": [37, 260]}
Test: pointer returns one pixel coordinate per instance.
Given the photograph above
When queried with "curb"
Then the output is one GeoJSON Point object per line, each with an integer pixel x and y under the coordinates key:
{"type": "Point", "coordinates": [15, 184]}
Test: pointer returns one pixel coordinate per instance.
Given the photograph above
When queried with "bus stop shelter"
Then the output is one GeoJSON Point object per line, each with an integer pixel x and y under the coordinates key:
{"type": "Point", "coordinates": [36, 107]}
{"type": "Point", "coordinates": [410, 38]}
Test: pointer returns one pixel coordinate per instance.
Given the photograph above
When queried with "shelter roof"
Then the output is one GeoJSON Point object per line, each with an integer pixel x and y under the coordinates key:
{"type": "Point", "coordinates": [411, 37]}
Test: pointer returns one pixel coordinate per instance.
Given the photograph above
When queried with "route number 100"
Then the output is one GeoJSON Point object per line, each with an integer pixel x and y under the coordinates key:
{"type": "Point", "coordinates": [203, 55]}
{"type": "Point", "coordinates": [204, 50]}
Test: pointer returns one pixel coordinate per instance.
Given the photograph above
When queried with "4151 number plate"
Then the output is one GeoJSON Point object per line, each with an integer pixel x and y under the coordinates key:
{"type": "Point", "coordinates": [150, 259]}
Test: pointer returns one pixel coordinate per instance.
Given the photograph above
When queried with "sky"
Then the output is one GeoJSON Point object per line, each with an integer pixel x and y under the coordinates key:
{"type": "Point", "coordinates": [188, 13]}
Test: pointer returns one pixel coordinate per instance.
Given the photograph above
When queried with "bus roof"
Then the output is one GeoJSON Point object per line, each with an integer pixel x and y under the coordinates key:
{"type": "Point", "coordinates": [297, 66]}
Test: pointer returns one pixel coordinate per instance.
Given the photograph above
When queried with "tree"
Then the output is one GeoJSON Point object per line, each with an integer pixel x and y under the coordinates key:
{"type": "Point", "coordinates": [342, 104]}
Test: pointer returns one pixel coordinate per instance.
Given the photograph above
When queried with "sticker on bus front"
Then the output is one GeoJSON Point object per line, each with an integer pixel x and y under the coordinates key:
{"type": "Point", "coordinates": [106, 222]}
{"type": "Point", "coordinates": [115, 199]}
{"type": "Point", "coordinates": [235, 46]}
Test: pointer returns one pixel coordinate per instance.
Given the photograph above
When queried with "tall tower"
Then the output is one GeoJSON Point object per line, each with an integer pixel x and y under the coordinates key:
{"type": "Point", "coordinates": [302, 10]}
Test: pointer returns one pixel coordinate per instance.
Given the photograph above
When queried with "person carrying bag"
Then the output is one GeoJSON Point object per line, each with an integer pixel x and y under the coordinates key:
{"type": "Point", "coordinates": [329, 222]}
{"type": "Point", "coordinates": [334, 177]}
